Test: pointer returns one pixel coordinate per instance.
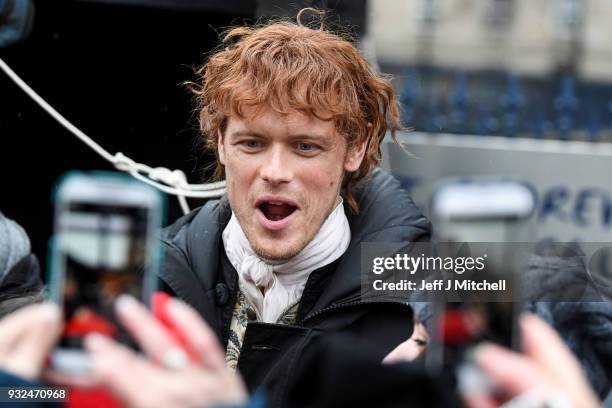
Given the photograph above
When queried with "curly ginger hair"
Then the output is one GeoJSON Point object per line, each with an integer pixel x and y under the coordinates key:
{"type": "Point", "coordinates": [289, 66]}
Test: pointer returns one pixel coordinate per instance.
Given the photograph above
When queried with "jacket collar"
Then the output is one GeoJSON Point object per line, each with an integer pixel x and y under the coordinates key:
{"type": "Point", "coordinates": [387, 214]}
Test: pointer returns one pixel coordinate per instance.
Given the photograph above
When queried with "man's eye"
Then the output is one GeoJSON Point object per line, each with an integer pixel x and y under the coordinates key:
{"type": "Point", "coordinates": [251, 144]}
{"type": "Point", "coordinates": [306, 147]}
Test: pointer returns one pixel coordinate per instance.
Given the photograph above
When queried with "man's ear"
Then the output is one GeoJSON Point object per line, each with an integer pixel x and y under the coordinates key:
{"type": "Point", "coordinates": [354, 157]}
{"type": "Point", "coordinates": [220, 147]}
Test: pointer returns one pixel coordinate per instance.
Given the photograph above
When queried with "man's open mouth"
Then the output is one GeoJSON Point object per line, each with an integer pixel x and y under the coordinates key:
{"type": "Point", "coordinates": [276, 210]}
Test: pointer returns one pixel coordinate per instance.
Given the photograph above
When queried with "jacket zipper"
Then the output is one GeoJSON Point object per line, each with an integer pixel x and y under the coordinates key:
{"type": "Point", "coordinates": [350, 304]}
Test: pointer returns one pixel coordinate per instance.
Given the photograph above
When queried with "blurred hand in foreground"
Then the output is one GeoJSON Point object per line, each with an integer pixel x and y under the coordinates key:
{"type": "Point", "coordinates": [169, 377]}
{"type": "Point", "coordinates": [546, 370]}
{"type": "Point", "coordinates": [26, 338]}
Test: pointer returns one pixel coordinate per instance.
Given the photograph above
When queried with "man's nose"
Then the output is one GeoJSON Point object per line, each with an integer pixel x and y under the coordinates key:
{"type": "Point", "coordinates": [276, 167]}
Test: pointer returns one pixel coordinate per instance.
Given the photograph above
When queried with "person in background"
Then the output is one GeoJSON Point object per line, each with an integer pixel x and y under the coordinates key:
{"type": "Point", "coordinates": [20, 282]}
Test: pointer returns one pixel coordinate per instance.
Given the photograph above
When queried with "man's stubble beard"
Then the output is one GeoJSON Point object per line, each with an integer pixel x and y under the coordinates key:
{"type": "Point", "coordinates": [263, 253]}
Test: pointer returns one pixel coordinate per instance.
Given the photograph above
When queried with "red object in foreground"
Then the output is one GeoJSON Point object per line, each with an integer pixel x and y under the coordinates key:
{"type": "Point", "coordinates": [91, 398]}
{"type": "Point", "coordinates": [159, 306]}
{"type": "Point", "coordinates": [454, 328]}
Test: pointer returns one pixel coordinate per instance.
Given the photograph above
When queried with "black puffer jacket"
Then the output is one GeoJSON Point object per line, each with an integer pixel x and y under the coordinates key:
{"type": "Point", "coordinates": [331, 301]}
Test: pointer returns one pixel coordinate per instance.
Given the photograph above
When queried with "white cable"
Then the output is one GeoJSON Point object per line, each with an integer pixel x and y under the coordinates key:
{"type": "Point", "coordinates": [174, 181]}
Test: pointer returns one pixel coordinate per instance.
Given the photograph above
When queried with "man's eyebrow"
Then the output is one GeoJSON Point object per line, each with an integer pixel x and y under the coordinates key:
{"type": "Point", "coordinates": [247, 133]}
{"type": "Point", "coordinates": [308, 136]}
{"type": "Point", "coordinates": [305, 136]}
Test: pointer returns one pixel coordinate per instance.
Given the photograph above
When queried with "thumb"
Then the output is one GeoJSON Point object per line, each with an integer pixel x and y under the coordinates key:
{"type": "Point", "coordinates": [15, 324]}
{"type": "Point", "coordinates": [41, 331]}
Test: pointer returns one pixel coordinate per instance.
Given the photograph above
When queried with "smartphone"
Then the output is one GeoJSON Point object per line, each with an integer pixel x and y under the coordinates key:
{"type": "Point", "coordinates": [479, 212]}
{"type": "Point", "coordinates": [104, 245]}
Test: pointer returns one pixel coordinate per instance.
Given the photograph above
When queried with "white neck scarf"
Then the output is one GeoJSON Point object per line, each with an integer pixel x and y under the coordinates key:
{"type": "Point", "coordinates": [283, 282]}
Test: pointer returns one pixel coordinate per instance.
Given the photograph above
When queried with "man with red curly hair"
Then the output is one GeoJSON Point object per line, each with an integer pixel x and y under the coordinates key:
{"type": "Point", "coordinates": [296, 117]}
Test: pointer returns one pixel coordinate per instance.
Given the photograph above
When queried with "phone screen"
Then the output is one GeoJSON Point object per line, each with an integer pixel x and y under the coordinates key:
{"type": "Point", "coordinates": [102, 248]}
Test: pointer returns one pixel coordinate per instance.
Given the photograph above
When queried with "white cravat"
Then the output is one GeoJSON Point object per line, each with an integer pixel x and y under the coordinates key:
{"type": "Point", "coordinates": [283, 281]}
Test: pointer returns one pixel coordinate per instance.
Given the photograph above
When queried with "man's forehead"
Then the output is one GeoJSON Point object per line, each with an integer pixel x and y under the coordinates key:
{"type": "Point", "coordinates": [268, 122]}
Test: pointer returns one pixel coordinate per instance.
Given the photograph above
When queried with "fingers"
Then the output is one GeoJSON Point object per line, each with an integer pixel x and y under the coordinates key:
{"type": "Point", "coordinates": [27, 337]}
{"type": "Point", "coordinates": [52, 376]}
{"type": "Point", "coordinates": [139, 383]}
{"type": "Point", "coordinates": [547, 363]}
{"type": "Point", "coordinates": [544, 346]}
{"type": "Point", "coordinates": [549, 352]}
{"type": "Point", "coordinates": [152, 337]}
{"type": "Point", "coordinates": [198, 334]}
{"type": "Point", "coordinates": [157, 341]}
{"type": "Point", "coordinates": [480, 401]}
{"type": "Point", "coordinates": [121, 370]}
{"type": "Point", "coordinates": [545, 356]}
{"type": "Point", "coordinates": [26, 319]}
{"type": "Point", "coordinates": [510, 371]}
{"type": "Point", "coordinates": [36, 345]}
